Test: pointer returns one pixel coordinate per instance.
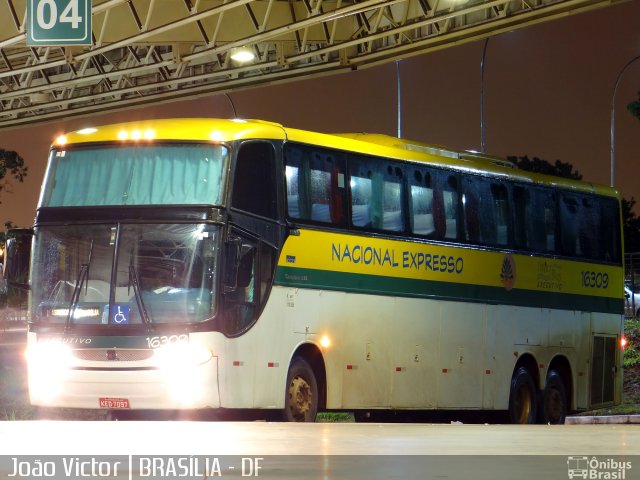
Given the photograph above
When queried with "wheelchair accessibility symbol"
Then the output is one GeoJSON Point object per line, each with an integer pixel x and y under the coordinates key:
{"type": "Point", "coordinates": [121, 316]}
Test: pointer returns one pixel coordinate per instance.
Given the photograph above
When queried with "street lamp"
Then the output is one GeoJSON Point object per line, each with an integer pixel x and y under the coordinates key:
{"type": "Point", "coordinates": [613, 117]}
{"type": "Point", "coordinates": [484, 54]}
{"type": "Point", "coordinates": [399, 98]}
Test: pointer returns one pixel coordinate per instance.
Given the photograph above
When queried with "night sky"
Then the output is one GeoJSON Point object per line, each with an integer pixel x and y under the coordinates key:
{"type": "Point", "coordinates": [548, 92]}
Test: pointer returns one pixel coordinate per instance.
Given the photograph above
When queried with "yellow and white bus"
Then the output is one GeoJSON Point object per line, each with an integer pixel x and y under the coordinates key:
{"type": "Point", "coordinates": [231, 264]}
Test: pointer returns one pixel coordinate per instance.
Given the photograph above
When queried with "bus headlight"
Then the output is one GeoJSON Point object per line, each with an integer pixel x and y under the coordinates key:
{"type": "Point", "coordinates": [50, 356]}
{"type": "Point", "coordinates": [181, 355]}
{"type": "Point", "coordinates": [47, 364]}
{"type": "Point", "coordinates": [184, 370]}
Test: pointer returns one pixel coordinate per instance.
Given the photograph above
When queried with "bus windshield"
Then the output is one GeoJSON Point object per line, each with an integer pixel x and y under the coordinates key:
{"type": "Point", "coordinates": [164, 273]}
{"type": "Point", "coordinates": [156, 174]}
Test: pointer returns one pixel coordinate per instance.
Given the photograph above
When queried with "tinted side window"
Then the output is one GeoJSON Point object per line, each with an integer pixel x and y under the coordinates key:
{"type": "Point", "coordinates": [421, 203]}
{"type": "Point", "coordinates": [315, 184]}
{"type": "Point", "coordinates": [521, 216]}
{"type": "Point", "coordinates": [500, 211]}
{"type": "Point", "coordinates": [541, 221]}
{"type": "Point", "coordinates": [610, 228]}
{"type": "Point", "coordinates": [569, 224]}
{"type": "Point", "coordinates": [254, 181]}
{"type": "Point", "coordinates": [376, 194]}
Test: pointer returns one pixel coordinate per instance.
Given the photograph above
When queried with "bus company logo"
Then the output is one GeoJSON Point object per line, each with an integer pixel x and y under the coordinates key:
{"type": "Point", "coordinates": [508, 272]}
{"type": "Point", "coordinates": [597, 469]}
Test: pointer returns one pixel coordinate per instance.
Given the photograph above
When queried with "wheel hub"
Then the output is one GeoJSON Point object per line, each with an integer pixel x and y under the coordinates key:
{"type": "Point", "coordinates": [300, 396]}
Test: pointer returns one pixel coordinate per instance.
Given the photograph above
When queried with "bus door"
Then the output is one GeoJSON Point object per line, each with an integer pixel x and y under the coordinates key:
{"type": "Point", "coordinates": [604, 368]}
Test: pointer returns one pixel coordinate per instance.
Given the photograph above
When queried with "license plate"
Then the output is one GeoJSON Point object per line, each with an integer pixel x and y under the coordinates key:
{"type": "Point", "coordinates": [114, 403]}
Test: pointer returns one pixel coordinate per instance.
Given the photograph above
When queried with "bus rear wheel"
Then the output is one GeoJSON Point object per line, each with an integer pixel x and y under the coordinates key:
{"type": "Point", "coordinates": [301, 397]}
{"type": "Point", "coordinates": [554, 399]}
{"type": "Point", "coordinates": [522, 398]}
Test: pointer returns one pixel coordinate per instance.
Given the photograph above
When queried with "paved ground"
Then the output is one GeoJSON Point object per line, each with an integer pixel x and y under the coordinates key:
{"type": "Point", "coordinates": [329, 451]}
{"type": "Point", "coordinates": [262, 438]}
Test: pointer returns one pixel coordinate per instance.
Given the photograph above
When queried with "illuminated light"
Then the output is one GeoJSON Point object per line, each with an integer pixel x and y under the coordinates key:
{"type": "Point", "coordinates": [216, 136]}
{"type": "Point", "coordinates": [123, 135]}
{"type": "Point", "coordinates": [136, 135]}
{"type": "Point", "coordinates": [325, 341]}
{"type": "Point", "coordinates": [242, 55]}
{"type": "Point", "coordinates": [47, 365]}
{"type": "Point", "coordinates": [238, 120]}
{"type": "Point", "coordinates": [87, 131]}
{"type": "Point", "coordinates": [149, 134]}
{"type": "Point", "coordinates": [52, 355]}
{"type": "Point", "coordinates": [184, 368]}
{"type": "Point", "coordinates": [179, 355]}
{"type": "Point", "coordinates": [290, 171]}
{"type": "Point", "coordinates": [61, 140]}
{"type": "Point", "coordinates": [77, 312]}
{"type": "Point", "coordinates": [623, 343]}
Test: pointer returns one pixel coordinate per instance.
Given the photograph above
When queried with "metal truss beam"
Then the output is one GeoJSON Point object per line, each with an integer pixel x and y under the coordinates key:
{"type": "Point", "coordinates": [147, 51]}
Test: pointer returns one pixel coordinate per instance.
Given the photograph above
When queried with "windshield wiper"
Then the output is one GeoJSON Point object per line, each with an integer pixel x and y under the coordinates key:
{"type": "Point", "coordinates": [83, 276]}
{"type": "Point", "coordinates": [134, 280]}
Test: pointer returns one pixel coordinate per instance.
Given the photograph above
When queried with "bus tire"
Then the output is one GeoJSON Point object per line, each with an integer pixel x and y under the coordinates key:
{"type": "Point", "coordinates": [301, 396]}
{"type": "Point", "coordinates": [554, 400]}
{"type": "Point", "coordinates": [522, 398]}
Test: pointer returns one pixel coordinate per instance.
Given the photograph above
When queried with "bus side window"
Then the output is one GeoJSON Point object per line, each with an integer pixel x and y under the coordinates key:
{"type": "Point", "coordinates": [521, 215]}
{"type": "Point", "coordinates": [360, 183]}
{"type": "Point", "coordinates": [315, 182]}
{"type": "Point", "coordinates": [610, 228]}
{"type": "Point", "coordinates": [541, 221]}
{"type": "Point", "coordinates": [500, 212]}
{"type": "Point", "coordinates": [471, 205]}
{"type": "Point", "coordinates": [421, 201]}
{"type": "Point", "coordinates": [569, 221]}
{"type": "Point", "coordinates": [589, 233]}
{"type": "Point", "coordinates": [376, 194]}
{"type": "Point", "coordinates": [550, 222]}
{"type": "Point", "coordinates": [392, 216]}
{"type": "Point", "coordinates": [254, 182]}
{"type": "Point", "coordinates": [451, 208]}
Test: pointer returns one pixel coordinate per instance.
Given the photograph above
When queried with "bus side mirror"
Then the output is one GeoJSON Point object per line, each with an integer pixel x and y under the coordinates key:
{"type": "Point", "coordinates": [239, 265]}
{"type": "Point", "coordinates": [17, 255]}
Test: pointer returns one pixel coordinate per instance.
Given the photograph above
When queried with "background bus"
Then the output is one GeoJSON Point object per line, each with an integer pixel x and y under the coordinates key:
{"type": "Point", "coordinates": [229, 264]}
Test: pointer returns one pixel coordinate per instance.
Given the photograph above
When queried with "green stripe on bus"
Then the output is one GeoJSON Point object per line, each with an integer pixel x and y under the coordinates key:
{"type": "Point", "coordinates": [407, 287]}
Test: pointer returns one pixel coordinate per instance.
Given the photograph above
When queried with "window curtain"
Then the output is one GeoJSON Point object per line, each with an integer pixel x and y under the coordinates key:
{"type": "Point", "coordinates": [160, 174]}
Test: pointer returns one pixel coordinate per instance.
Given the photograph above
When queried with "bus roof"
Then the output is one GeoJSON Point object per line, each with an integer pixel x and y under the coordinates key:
{"type": "Point", "coordinates": [226, 130]}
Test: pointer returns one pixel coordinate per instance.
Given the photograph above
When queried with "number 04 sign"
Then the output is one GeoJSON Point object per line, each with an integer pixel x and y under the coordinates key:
{"type": "Point", "coordinates": [58, 22]}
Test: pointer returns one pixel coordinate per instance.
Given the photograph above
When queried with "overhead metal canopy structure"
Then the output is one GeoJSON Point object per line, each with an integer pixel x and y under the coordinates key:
{"type": "Point", "coordinates": [147, 51]}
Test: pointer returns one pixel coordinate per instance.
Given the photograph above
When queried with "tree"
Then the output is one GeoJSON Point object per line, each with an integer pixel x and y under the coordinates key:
{"type": "Point", "coordinates": [3, 235]}
{"type": "Point", "coordinates": [11, 164]}
{"type": "Point", "coordinates": [558, 169]}
{"type": "Point", "coordinates": [631, 226]}
{"type": "Point", "coordinates": [634, 107]}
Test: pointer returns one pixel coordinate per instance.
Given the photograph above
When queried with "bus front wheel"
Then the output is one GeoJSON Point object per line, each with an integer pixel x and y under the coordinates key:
{"type": "Point", "coordinates": [522, 397]}
{"type": "Point", "coordinates": [554, 399]}
{"type": "Point", "coordinates": [301, 397]}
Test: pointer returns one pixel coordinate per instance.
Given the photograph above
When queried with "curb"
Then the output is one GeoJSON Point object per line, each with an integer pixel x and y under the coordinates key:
{"type": "Point", "coordinates": [603, 420]}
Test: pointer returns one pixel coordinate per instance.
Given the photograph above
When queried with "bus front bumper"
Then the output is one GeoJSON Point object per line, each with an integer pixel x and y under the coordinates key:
{"type": "Point", "coordinates": [187, 385]}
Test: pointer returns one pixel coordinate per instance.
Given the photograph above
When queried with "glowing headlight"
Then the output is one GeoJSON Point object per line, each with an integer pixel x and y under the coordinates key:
{"type": "Point", "coordinates": [48, 365]}
{"type": "Point", "coordinates": [180, 355]}
{"type": "Point", "coordinates": [49, 356]}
